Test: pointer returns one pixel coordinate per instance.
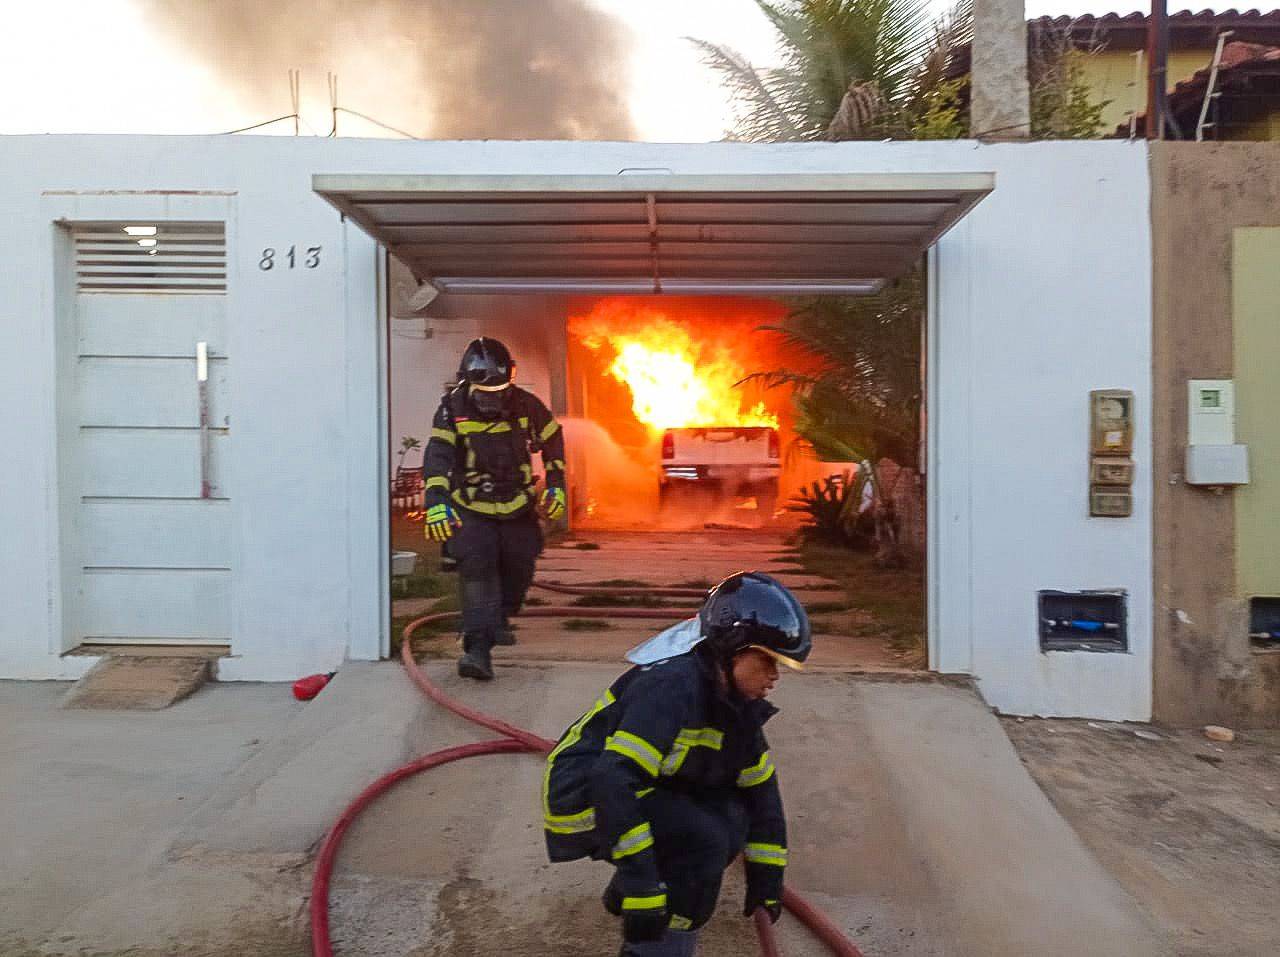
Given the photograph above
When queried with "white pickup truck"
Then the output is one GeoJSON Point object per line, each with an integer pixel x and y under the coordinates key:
{"type": "Point", "coordinates": [737, 462]}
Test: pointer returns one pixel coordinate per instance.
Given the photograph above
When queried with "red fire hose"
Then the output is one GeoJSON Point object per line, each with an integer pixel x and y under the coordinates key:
{"type": "Point", "coordinates": [518, 740]}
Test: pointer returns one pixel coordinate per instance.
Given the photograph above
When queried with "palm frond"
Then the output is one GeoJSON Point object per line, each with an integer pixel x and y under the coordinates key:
{"type": "Point", "coordinates": [762, 117]}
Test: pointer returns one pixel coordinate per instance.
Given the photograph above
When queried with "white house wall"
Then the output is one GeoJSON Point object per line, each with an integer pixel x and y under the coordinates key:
{"type": "Point", "coordinates": [1043, 293]}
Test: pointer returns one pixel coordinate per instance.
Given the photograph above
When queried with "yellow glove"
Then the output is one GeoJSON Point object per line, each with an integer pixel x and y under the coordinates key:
{"type": "Point", "coordinates": [441, 521]}
{"type": "Point", "coordinates": [554, 503]}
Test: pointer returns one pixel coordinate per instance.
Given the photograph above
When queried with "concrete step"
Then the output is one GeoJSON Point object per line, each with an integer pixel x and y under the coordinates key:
{"type": "Point", "coordinates": [138, 683]}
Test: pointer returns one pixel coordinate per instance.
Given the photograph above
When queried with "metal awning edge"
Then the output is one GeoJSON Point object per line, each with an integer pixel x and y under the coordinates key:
{"type": "Point", "coordinates": [423, 184]}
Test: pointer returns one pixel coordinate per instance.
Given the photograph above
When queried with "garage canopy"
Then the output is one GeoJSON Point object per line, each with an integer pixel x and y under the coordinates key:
{"type": "Point", "coordinates": [653, 233]}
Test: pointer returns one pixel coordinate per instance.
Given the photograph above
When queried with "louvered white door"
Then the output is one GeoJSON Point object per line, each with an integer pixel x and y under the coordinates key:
{"type": "Point", "coordinates": [153, 431]}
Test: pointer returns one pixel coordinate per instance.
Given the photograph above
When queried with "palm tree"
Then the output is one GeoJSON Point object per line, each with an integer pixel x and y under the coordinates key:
{"type": "Point", "coordinates": [851, 69]}
{"type": "Point", "coordinates": [858, 395]}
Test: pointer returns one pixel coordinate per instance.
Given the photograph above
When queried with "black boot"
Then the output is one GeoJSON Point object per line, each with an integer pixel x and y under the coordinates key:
{"type": "Point", "coordinates": [506, 634]}
{"type": "Point", "coordinates": [675, 943]}
{"type": "Point", "coordinates": [475, 661]}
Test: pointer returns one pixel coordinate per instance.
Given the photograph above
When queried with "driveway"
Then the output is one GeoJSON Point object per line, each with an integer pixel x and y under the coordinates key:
{"type": "Point", "coordinates": [187, 832]}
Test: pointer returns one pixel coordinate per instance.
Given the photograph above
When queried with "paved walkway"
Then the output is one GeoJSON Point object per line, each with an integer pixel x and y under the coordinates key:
{"type": "Point", "coordinates": [666, 559]}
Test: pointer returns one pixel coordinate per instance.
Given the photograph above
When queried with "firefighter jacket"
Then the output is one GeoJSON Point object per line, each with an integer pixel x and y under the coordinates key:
{"type": "Point", "coordinates": [484, 464]}
{"type": "Point", "coordinates": [665, 725]}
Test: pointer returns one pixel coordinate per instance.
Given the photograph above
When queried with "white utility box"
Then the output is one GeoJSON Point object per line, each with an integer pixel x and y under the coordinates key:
{"type": "Point", "coordinates": [1217, 465]}
{"type": "Point", "coordinates": [1211, 412]}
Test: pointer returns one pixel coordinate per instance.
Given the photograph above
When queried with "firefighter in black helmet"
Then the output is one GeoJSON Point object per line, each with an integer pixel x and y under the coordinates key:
{"type": "Point", "coordinates": [480, 494]}
{"type": "Point", "coordinates": [668, 776]}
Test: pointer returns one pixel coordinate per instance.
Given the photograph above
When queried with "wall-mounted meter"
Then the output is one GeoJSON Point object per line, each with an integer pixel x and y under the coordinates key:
{"type": "Point", "coordinates": [1211, 412]}
{"type": "Point", "coordinates": [1111, 468]}
{"type": "Point", "coordinates": [1111, 421]}
{"type": "Point", "coordinates": [1213, 457]}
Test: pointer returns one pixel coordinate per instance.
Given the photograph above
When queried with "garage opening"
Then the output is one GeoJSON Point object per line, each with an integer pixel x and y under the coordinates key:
{"type": "Point", "coordinates": [651, 312]}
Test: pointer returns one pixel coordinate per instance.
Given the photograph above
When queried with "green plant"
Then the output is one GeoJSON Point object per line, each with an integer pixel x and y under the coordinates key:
{"type": "Point", "coordinates": [851, 69]}
{"type": "Point", "coordinates": [858, 396]}
{"type": "Point", "coordinates": [879, 69]}
{"type": "Point", "coordinates": [833, 510]}
{"type": "Point", "coordinates": [941, 113]}
{"type": "Point", "coordinates": [1062, 104]}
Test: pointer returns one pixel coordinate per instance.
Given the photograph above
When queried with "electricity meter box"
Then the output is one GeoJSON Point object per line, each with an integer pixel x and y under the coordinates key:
{"type": "Point", "coordinates": [1111, 467]}
{"type": "Point", "coordinates": [1111, 422]}
{"type": "Point", "coordinates": [1107, 470]}
{"type": "Point", "coordinates": [1211, 412]}
{"type": "Point", "coordinates": [1213, 457]}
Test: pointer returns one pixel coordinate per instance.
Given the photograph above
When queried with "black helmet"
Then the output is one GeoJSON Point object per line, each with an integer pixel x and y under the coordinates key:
{"type": "Point", "coordinates": [753, 610]}
{"type": "Point", "coordinates": [487, 363]}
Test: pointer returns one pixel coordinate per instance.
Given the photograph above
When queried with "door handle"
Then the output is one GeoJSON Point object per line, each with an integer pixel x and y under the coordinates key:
{"type": "Point", "coordinates": [202, 393]}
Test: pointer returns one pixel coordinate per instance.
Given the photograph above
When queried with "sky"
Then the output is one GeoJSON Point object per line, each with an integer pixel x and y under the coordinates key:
{"type": "Point", "coordinates": [94, 66]}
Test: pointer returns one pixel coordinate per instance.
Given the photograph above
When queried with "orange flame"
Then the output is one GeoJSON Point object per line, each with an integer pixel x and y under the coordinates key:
{"type": "Point", "coordinates": [677, 379]}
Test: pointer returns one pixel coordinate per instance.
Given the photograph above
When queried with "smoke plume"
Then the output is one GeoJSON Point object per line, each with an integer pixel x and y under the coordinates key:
{"type": "Point", "coordinates": [446, 69]}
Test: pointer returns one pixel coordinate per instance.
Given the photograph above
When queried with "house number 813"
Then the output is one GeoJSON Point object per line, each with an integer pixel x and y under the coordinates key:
{"type": "Point", "coordinates": [310, 258]}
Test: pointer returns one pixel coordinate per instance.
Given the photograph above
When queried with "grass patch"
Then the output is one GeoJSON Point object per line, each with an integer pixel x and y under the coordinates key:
{"type": "Point", "coordinates": [618, 583]}
{"type": "Point", "coordinates": [815, 608]}
{"type": "Point", "coordinates": [586, 624]}
{"type": "Point", "coordinates": [703, 583]}
{"type": "Point", "coordinates": [586, 546]}
{"type": "Point", "coordinates": [428, 633]}
{"type": "Point", "coordinates": [423, 583]}
{"type": "Point", "coordinates": [533, 601]}
{"type": "Point", "coordinates": [879, 602]}
{"type": "Point", "coordinates": [620, 601]}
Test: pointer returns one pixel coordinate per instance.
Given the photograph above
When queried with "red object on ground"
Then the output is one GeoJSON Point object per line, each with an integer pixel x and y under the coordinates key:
{"type": "Point", "coordinates": [304, 689]}
{"type": "Point", "coordinates": [514, 740]}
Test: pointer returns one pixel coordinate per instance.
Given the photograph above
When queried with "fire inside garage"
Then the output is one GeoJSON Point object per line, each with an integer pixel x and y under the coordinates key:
{"type": "Point", "coordinates": [676, 392]}
{"type": "Point", "coordinates": [663, 392]}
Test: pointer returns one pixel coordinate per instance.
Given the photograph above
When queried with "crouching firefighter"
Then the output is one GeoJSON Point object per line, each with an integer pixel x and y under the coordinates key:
{"type": "Point", "coordinates": [480, 495]}
{"type": "Point", "coordinates": [668, 776]}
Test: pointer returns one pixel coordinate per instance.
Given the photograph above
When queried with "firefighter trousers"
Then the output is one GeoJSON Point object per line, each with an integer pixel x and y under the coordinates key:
{"type": "Point", "coordinates": [496, 560]}
{"type": "Point", "coordinates": [694, 840]}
